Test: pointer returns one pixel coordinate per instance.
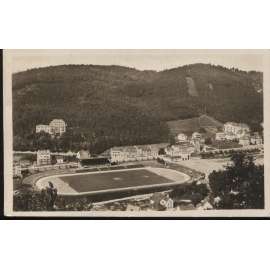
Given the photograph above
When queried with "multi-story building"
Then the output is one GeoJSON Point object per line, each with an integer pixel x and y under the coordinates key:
{"type": "Point", "coordinates": [134, 153]}
{"type": "Point", "coordinates": [58, 126]}
{"type": "Point", "coordinates": [143, 152]}
{"type": "Point", "coordinates": [44, 128]}
{"type": "Point", "coordinates": [256, 139]}
{"type": "Point", "coordinates": [117, 155]}
{"type": "Point", "coordinates": [17, 170]}
{"type": "Point", "coordinates": [180, 152]}
{"type": "Point", "coordinates": [181, 137]}
{"type": "Point", "coordinates": [230, 136]}
{"type": "Point", "coordinates": [236, 128]}
{"type": "Point", "coordinates": [43, 157]}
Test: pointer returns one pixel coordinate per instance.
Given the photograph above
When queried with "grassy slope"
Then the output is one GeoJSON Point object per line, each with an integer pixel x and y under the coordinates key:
{"type": "Point", "coordinates": [191, 125]}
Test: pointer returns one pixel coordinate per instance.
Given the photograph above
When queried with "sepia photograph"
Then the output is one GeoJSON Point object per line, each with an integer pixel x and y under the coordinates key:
{"type": "Point", "coordinates": [135, 133]}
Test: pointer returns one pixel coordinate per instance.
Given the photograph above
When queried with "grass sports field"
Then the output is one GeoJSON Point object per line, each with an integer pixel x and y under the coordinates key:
{"type": "Point", "coordinates": [112, 180]}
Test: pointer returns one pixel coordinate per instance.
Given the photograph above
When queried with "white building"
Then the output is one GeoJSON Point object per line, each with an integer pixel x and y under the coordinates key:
{"type": "Point", "coordinates": [117, 155]}
{"type": "Point", "coordinates": [167, 202]}
{"type": "Point", "coordinates": [17, 170]}
{"type": "Point", "coordinates": [256, 139]}
{"type": "Point", "coordinates": [230, 136]}
{"type": "Point", "coordinates": [236, 128]}
{"type": "Point", "coordinates": [144, 152]}
{"type": "Point", "coordinates": [43, 157]}
{"type": "Point", "coordinates": [244, 140]}
{"type": "Point", "coordinates": [220, 136]}
{"type": "Point", "coordinates": [181, 137]}
{"type": "Point", "coordinates": [154, 151]}
{"type": "Point", "coordinates": [180, 152]}
{"type": "Point", "coordinates": [59, 160]}
{"type": "Point", "coordinates": [83, 154]}
{"type": "Point", "coordinates": [134, 153]}
{"type": "Point", "coordinates": [198, 136]}
{"type": "Point", "coordinates": [161, 201]}
{"type": "Point", "coordinates": [131, 153]}
{"type": "Point", "coordinates": [58, 126]}
{"type": "Point", "coordinates": [44, 128]}
{"type": "Point", "coordinates": [198, 144]}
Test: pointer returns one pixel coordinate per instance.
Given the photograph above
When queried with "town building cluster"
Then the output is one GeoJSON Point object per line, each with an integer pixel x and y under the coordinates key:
{"type": "Point", "coordinates": [185, 146]}
{"type": "Point", "coordinates": [239, 132]}
{"type": "Point", "coordinates": [159, 201]}
{"type": "Point", "coordinates": [19, 166]}
{"type": "Point", "coordinates": [45, 160]}
{"type": "Point", "coordinates": [56, 127]}
{"type": "Point", "coordinates": [134, 153]}
{"type": "Point", "coordinates": [45, 157]}
{"type": "Point", "coordinates": [183, 149]}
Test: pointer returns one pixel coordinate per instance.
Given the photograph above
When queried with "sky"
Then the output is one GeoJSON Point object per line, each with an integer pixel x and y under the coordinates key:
{"type": "Point", "coordinates": [140, 59]}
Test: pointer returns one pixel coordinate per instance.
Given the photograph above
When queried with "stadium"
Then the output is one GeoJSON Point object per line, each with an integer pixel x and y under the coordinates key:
{"type": "Point", "coordinates": [113, 181]}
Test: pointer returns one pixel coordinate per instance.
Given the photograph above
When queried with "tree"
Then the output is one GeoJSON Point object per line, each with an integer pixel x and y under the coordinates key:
{"type": "Point", "coordinates": [161, 151]}
{"type": "Point", "coordinates": [202, 130]}
{"type": "Point", "coordinates": [196, 192]}
{"type": "Point", "coordinates": [53, 160]}
{"type": "Point", "coordinates": [172, 140]}
{"type": "Point", "coordinates": [113, 105]}
{"type": "Point", "coordinates": [208, 141]}
{"type": "Point", "coordinates": [239, 186]}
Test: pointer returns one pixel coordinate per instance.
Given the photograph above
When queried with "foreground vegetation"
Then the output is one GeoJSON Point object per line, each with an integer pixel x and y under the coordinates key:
{"type": "Point", "coordinates": [239, 186]}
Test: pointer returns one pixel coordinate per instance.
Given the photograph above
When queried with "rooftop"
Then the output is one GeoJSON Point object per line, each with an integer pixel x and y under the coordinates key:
{"type": "Point", "coordinates": [43, 152]}
{"type": "Point", "coordinates": [243, 125]}
{"type": "Point", "coordinates": [57, 121]}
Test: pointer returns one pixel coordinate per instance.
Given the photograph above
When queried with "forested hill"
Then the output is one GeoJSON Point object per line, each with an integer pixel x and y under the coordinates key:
{"type": "Point", "coordinates": [114, 105]}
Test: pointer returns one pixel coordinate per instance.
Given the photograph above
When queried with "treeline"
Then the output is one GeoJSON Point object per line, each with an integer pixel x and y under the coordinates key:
{"type": "Point", "coordinates": [111, 105]}
{"type": "Point", "coordinates": [117, 133]}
